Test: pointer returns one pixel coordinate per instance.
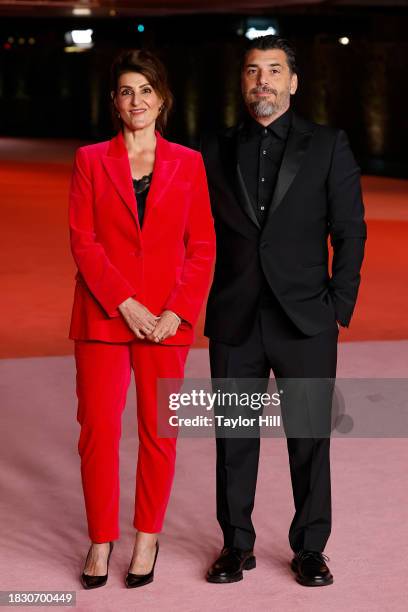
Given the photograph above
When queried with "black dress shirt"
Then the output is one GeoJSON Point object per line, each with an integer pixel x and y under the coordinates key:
{"type": "Point", "coordinates": [260, 153]}
{"type": "Point", "coordinates": [141, 189]}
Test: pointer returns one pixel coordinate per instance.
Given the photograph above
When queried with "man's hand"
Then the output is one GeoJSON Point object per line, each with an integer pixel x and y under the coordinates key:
{"type": "Point", "coordinates": [167, 326]}
{"type": "Point", "coordinates": [139, 318]}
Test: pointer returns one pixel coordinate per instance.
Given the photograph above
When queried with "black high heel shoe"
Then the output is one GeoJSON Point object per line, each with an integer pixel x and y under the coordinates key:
{"type": "Point", "coordinates": [92, 582]}
{"type": "Point", "coordinates": [137, 580]}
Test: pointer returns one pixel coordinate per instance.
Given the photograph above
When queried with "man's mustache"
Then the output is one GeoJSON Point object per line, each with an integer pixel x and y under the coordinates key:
{"type": "Point", "coordinates": [256, 90]}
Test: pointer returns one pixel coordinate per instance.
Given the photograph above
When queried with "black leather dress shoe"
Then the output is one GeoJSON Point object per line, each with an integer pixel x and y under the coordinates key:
{"type": "Point", "coordinates": [92, 582]}
{"type": "Point", "coordinates": [229, 565]}
{"type": "Point", "coordinates": [311, 569]}
{"type": "Point", "coordinates": [137, 580]}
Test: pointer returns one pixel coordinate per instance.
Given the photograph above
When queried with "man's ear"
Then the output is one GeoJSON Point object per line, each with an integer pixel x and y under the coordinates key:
{"type": "Point", "coordinates": [293, 83]}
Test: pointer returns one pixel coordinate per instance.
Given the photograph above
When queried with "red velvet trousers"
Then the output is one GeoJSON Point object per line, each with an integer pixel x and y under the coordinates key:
{"type": "Point", "coordinates": [102, 381]}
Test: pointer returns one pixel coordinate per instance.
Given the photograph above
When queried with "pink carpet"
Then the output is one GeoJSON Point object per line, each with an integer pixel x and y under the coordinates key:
{"type": "Point", "coordinates": [44, 537]}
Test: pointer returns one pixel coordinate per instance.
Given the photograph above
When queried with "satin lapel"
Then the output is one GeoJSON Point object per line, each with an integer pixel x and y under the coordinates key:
{"type": "Point", "coordinates": [229, 160]}
{"type": "Point", "coordinates": [296, 147]}
{"type": "Point", "coordinates": [244, 198]}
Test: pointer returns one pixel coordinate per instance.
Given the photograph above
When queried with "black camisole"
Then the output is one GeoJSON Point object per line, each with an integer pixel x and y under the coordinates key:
{"type": "Point", "coordinates": [141, 189]}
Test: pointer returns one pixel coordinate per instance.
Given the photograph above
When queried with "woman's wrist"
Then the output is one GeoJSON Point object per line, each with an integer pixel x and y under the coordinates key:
{"type": "Point", "coordinates": [125, 303]}
{"type": "Point", "coordinates": [176, 315]}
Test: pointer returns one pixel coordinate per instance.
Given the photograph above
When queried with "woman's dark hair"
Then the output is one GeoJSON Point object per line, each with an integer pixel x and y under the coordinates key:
{"type": "Point", "coordinates": [271, 41]}
{"type": "Point", "coordinates": [148, 64]}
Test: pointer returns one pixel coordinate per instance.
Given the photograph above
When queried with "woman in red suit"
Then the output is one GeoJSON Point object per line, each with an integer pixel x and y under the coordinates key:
{"type": "Point", "coordinates": [143, 240]}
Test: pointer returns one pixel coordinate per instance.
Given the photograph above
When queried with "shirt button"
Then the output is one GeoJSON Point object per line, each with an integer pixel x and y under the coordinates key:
{"type": "Point", "coordinates": [262, 179]}
{"type": "Point", "coordinates": [265, 131]}
{"type": "Point", "coordinates": [262, 207]}
{"type": "Point", "coordinates": [264, 152]}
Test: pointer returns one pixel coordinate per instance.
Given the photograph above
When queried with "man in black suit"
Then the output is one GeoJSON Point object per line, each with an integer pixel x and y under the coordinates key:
{"type": "Point", "coordinates": [280, 186]}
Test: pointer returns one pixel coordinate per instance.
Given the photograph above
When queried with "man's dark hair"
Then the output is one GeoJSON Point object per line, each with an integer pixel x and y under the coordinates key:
{"type": "Point", "coordinates": [263, 43]}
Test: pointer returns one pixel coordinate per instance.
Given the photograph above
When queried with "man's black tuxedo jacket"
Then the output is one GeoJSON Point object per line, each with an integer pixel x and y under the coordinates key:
{"type": "Point", "coordinates": [318, 194]}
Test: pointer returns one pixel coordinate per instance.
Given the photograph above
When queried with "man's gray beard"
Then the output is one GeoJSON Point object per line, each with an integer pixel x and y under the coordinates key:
{"type": "Point", "coordinates": [263, 108]}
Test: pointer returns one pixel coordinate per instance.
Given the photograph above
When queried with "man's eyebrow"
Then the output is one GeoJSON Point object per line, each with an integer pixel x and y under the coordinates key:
{"type": "Point", "coordinates": [257, 65]}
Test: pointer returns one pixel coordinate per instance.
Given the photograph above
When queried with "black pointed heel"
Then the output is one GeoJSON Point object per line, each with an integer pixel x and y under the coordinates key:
{"type": "Point", "coordinates": [92, 582]}
{"type": "Point", "coordinates": [137, 580]}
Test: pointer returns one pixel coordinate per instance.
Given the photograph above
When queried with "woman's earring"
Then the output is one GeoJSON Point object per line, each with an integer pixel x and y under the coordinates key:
{"type": "Point", "coordinates": [119, 115]}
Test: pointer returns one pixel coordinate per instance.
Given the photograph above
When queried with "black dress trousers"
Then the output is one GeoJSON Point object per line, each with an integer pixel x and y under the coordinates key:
{"type": "Point", "coordinates": [276, 343]}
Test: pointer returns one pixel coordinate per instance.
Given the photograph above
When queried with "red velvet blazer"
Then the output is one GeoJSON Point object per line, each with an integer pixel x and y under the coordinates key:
{"type": "Point", "coordinates": [165, 264]}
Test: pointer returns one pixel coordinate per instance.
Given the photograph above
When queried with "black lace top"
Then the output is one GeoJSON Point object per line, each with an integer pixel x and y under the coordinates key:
{"type": "Point", "coordinates": [141, 189]}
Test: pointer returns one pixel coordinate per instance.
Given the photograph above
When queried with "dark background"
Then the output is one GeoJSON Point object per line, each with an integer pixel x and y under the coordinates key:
{"type": "Point", "coordinates": [361, 87]}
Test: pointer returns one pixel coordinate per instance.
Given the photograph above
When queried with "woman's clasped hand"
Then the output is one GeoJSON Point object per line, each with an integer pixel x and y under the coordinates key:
{"type": "Point", "coordinates": [146, 325]}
